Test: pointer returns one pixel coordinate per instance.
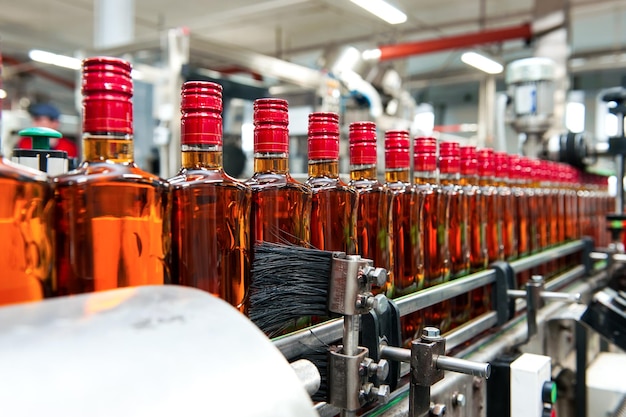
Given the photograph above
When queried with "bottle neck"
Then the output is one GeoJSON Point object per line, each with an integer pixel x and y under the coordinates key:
{"type": "Point", "coordinates": [397, 175]}
{"type": "Point", "coordinates": [425, 177]}
{"type": "Point", "coordinates": [277, 163]}
{"type": "Point", "coordinates": [324, 168]}
{"type": "Point", "coordinates": [469, 180]}
{"type": "Point", "coordinates": [363, 172]}
{"type": "Point", "coordinates": [449, 178]}
{"type": "Point", "coordinates": [486, 181]}
{"type": "Point", "coordinates": [201, 156]}
{"type": "Point", "coordinates": [111, 148]}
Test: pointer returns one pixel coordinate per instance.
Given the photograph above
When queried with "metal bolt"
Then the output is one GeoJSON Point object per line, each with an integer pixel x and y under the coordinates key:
{"type": "Point", "coordinates": [366, 366]}
{"type": "Point", "coordinates": [380, 369]}
{"type": "Point", "coordinates": [537, 278]}
{"type": "Point", "coordinates": [430, 333]}
{"type": "Point", "coordinates": [459, 399]}
{"type": "Point", "coordinates": [381, 393]}
{"type": "Point", "coordinates": [366, 301]}
{"type": "Point", "coordinates": [378, 276]}
{"type": "Point", "coordinates": [383, 304]}
{"type": "Point", "coordinates": [438, 410]}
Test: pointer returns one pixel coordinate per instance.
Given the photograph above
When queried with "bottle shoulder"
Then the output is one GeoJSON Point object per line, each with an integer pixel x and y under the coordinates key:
{"type": "Point", "coordinates": [320, 184]}
{"type": "Point", "coordinates": [364, 185]}
{"type": "Point", "coordinates": [11, 171]}
{"type": "Point", "coordinates": [261, 181]}
{"type": "Point", "coordinates": [206, 178]}
{"type": "Point", "coordinates": [107, 172]}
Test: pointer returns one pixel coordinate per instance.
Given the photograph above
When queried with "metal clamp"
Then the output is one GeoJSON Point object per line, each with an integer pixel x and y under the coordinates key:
{"type": "Point", "coordinates": [428, 364]}
{"type": "Point", "coordinates": [535, 297]}
{"type": "Point", "coordinates": [351, 283]}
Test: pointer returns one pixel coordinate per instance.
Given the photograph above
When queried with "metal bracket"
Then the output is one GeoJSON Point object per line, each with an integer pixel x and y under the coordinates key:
{"type": "Point", "coordinates": [345, 378]}
{"type": "Point", "coordinates": [351, 281]}
{"type": "Point", "coordinates": [505, 281]}
{"type": "Point", "coordinates": [586, 255]}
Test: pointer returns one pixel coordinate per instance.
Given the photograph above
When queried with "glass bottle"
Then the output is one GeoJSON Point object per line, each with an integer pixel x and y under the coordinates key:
{"type": "Point", "coordinates": [211, 210]}
{"type": "Point", "coordinates": [521, 201]}
{"type": "Point", "coordinates": [477, 224]}
{"type": "Point", "coordinates": [112, 219]}
{"type": "Point", "coordinates": [26, 224]}
{"type": "Point", "coordinates": [334, 203]}
{"type": "Point", "coordinates": [486, 172]}
{"type": "Point", "coordinates": [281, 206]}
{"type": "Point", "coordinates": [373, 205]}
{"type": "Point", "coordinates": [405, 226]}
{"type": "Point", "coordinates": [435, 232]}
{"type": "Point", "coordinates": [458, 212]}
{"type": "Point", "coordinates": [507, 206]}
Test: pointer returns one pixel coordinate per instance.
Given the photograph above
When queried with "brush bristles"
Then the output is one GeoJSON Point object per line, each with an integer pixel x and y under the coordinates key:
{"type": "Point", "coordinates": [289, 284]}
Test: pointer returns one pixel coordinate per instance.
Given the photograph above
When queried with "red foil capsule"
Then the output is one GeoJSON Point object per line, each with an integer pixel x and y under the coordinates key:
{"type": "Point", "coordinates": [503, 170]}
{"type": "Point", "coordinates": [201, 108]}
{"type": "Point", "coordinates": [397, 144]}
{"type": "Point", "coordinates": [323, 136]}
{"type": "Point", "coordinates": [449, 158]}
{"type": "Point", "coordinates": [271, 126]}
{"type": "Point", "coordinates": [486, 165]}
{"type": "Point", "coordinates": [362, 143]}
{"type": "Point", "coordinates": [469, 163]}
{"type": "Point", "coordinates": [107, 90]}
{"type": "Point", "coordinates": [425, 158]}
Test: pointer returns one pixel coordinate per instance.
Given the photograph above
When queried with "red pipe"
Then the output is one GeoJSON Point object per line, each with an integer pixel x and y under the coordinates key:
{"type": "Point", "coordinates": [403, 50]}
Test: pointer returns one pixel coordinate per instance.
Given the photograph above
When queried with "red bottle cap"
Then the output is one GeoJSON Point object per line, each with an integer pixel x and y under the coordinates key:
{"type": "Point", "coordinates": [449, 158]}
{"type": "Point", "coordinates": [516, 168]}
{"type": "Point", "coordinates": [107, 91]}
{"type": "Point", "coordinates": [362, 143]}
{"type": "Point", "coordinates": [397, 149]}
{"type": "Point", "coordinates": [469, 164]}
{"type": "Point", "coordinates": [271, 126]}
{"type": "Point", "coordinates": [486, 166]}
{"type": "Point", "coordinates": [502, 165]}
{"type": "Point", "coordinates": [201, 106]}
{"type": "Point", "coordinates": [323, 136]}
{"type": "Point", "coordinates": [425, 158]}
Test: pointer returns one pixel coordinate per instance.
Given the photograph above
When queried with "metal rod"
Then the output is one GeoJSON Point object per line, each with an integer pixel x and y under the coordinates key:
{"type": "Point", "coordinates": [533, 304]}
{"type": "Point", "coordinates": [448, 363]}
{"type": "Point", "coordinates": [308, 374]}
{"type": "Point", "coordinates": [395, 354]}
{"type": "Point", "coordinates": [565, 278]}
{"type": "Point", "coordinates": [470, 330]}
{"type": "Point", "coordinates": [546, 256]}
{"type": "Point", "coordinates": [309, 340]}
{"type": "Point", "coordinates": [351, 335]}
{"type": "Point", "coordinates": [599, 256]}
{"type": "Point", "coordinates": [560, 296]}
{"type": "Point", "coordinates": [431, 296]}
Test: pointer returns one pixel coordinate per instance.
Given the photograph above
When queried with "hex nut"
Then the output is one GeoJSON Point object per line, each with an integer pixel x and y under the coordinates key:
{"type": "Point", "coordinates": [438, 410]}
{"type": "Point", "coordinates": [378, 276]}
{"type": "Point", "coordinates": [431, 333]}
{"type": "Point", "coordinates": [382, 369]}
{"type": "Point", "coordinates": [382, 393]}
{"type": "Point", "coordinates": [459, 399]}
{"type": "Point", "coordinates": [383, 304]}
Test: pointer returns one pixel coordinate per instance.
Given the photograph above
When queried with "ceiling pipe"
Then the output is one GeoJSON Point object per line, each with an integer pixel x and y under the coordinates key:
{"type": "Point", "coordinates": [403, 50]}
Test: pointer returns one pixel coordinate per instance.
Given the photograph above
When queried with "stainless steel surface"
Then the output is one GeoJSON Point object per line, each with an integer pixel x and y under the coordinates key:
{"type": "Point", "coordinates": [431, 296]}
{"type": "Point", "coordinates": [308, 374]}
{"type": "Point", "coordinates": [546, 255]}
{"type": "Point", "coordinates": [533, 303]}
{"type": "Point", "coordinates": [619, 257]}
{"type": "Point", "coordinates": [157, 351]}
{"type": "Point", "coordinates": [396, 354]}
{"type": "Point", "coordinates": [308, 340]}
{"type": "Point", "coordinates": [448, 363]}
{"type": "Point", "coordinates": [565, 278]}
{"type": "Point", "coordinates": [345, 379]}
{"type": "Point", "coordinates": [547, 296]}
{"type": "Point", "coordinates": [346, 287]}
{"type": "Point", "coordinates": [431, 333]}
{"type": "Point", "coordinates": [351, 335]}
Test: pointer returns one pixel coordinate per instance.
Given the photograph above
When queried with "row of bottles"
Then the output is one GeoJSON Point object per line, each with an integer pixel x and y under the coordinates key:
{"type": "Point", "coordinates": [115, 225]}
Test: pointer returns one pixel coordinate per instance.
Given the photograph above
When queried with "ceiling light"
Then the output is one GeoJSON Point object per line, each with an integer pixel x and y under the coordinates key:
{"type": "Point", "coordinates": [3, 94]}
{"type": "Point", "coordinates": [382, 10]}
{"type": "Point", "coordinates": [54, 59]}
{"type": "Point", "coordinates": [482, 63]}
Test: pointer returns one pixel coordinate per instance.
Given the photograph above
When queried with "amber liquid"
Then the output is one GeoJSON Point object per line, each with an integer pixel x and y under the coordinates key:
{"type": "Point", "coordinates": [481, 297]}
{"type": "Point", "coordinates": [477, 228]}
{"type": "Point", "coordinates": [508, 208]}
{"type": "Point", "coordinates": [458, 246]}
{"type": "Point", "coordinates": [436, 254]}
{"type": "Point", "coordinates": [112, 222]}
{"type": "Point", "coordinates": [281, 206]}
{"type": "Point", "coordinates": [333, 209]}
{"type": "Point", "coordinates": [26, 251]}
{"type": "Point", "coordinates": [373, 222]}
{"type": "Point", "coordinates": [210, 227]}
{"type": "Point", "coordinates": [523, 230]}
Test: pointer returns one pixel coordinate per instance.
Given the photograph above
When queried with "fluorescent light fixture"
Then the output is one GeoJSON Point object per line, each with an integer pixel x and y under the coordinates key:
{"type": "Point", "coordinates": [482, 63]}
{"type": "Point", "coordinates": [3, 94]}
{"type": "Point", "coordinates": [371, 54]}
{"type": "Point", "coordinates": [54, 59]}
{"type": "Point", "coordinates": [382, 10]}
{"type": "Point", "coordinates": [575, 117]}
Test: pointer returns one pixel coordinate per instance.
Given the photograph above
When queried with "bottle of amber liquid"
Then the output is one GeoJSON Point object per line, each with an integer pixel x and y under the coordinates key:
{"type": "Point", "coordinates": [477, 220]}
{"type": "Point", "coordinates": [112, 219]}
{"type": "Point", "coordinates": [211, 211]}
{"type": "Point", "coordinates": [521, 202]}
{"type": "Point", "coordinates": [26, 247]}
{"type": "Point", "coordinates": [334, 203]}
{"type": "Point", "coordinates": [458, 212]}
{"type": "Point", "coordinates": [487, 172]}
{"type": "Point", "coordinates": [405, 226]}
{"type": "Point", "coordinates": [373, 205]}
{"type": "Point", "coordinates": [507, 206]}
{"type": "Point", "coordinates": [281, 206]}
{"type": "Point", "coordinates": [435, 231]}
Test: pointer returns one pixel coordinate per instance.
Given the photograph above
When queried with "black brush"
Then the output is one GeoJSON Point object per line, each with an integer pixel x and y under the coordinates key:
{"type": "Point", "coordinates": [289, 284]}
